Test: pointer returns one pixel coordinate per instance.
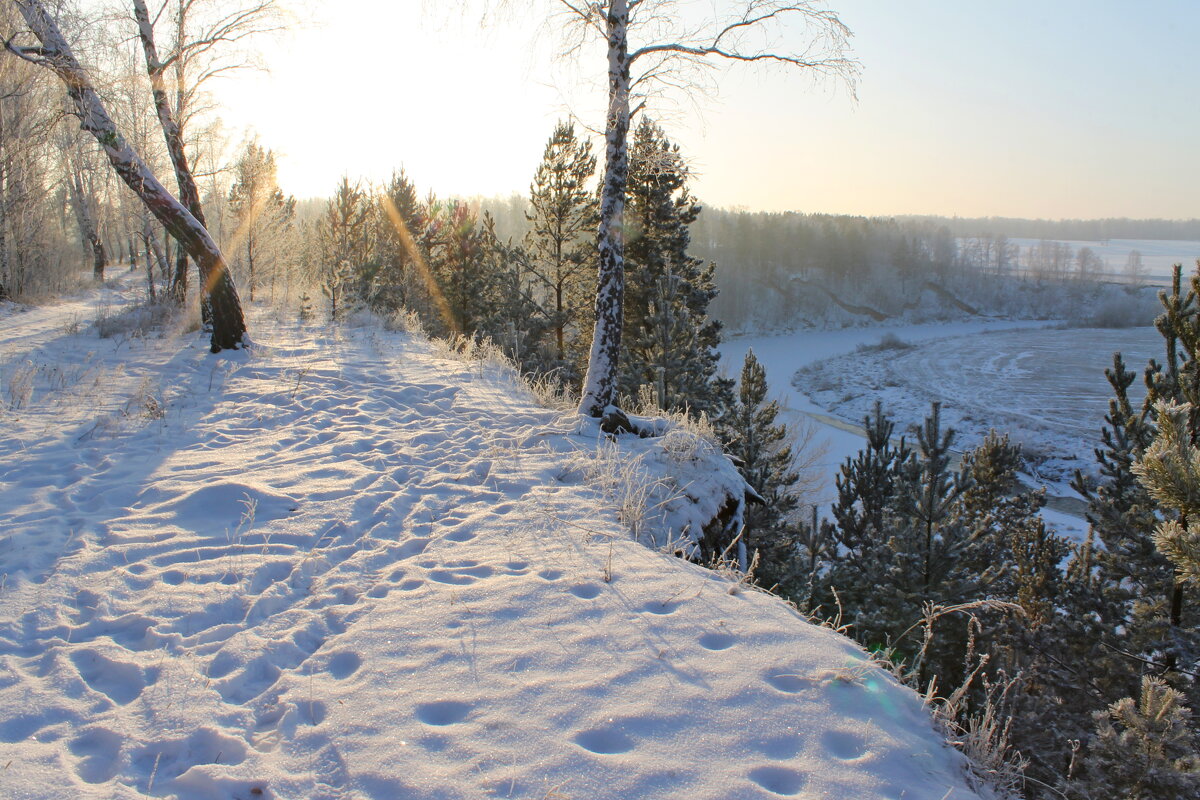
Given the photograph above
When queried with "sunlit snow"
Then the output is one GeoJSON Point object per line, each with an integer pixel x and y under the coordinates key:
{"type": "Point", "coordinates": [346, 565]}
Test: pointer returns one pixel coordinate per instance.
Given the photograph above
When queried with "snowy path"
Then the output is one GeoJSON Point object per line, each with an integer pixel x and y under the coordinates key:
{"type": "Point", "coordinates": [344, 566]}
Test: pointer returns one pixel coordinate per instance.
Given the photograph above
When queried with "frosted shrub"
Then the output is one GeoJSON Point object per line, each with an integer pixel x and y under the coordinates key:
{"type": "Point", "coordinates": [624, 481]}
{"type": "Point", "coordinates": [20, 385]}
{"type": "Point", "coordinates": [136, 322]}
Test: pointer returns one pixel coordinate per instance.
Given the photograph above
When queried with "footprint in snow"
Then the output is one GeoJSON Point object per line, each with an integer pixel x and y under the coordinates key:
{"type": "Point", "coordinates": [463, 574]}
{"type": "Point", "coordinates": [604, 741]}
{"type": "Point", "coordinates": [463, 534]}
{"type": "Point", "coordinates": [343, 665]}
{"type": "Point", "coordinates": [779, 780]}
{"type": "Point", "coordinates": [661, 607]}
{"type": "Point", "coordinates": [168, 759]}
{"type": "Point", "coordinates": [585, 591]}
{"type": "Point", "coordinates": [843, 745]}
{"type": "Point", "coordinates": [86, 603]}
{"type": "Point", "coordinates": [789, 683]}
{"type": "Point", "coordinates": [779, 748]}
{"type": "Point", "coordinates": [443, 712]}
{"type": "Point", "coordinates": [97, 750]}
{"type": "Point", "coordinates": [717, 641]}
{"type": "Point", "coordinates": [119, 681]}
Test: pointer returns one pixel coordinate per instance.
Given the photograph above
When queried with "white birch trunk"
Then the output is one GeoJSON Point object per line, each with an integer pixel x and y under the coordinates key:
{"type": "Point", "coordinates": [189, 194]}
{"type": "Point", "coordinates": [600, 385]}
{"type": "Point", "coordinates": [229, 327]}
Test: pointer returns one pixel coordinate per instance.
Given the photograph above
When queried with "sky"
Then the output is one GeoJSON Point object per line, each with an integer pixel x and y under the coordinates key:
{"type": "Point", "coordinates": [1053, 108]}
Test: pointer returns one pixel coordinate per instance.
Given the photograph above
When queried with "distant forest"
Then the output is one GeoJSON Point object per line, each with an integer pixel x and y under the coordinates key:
{"type": "Point", "coordinates": [778, 270]}
{"type": "Point", "coordinates": [1081, 230]}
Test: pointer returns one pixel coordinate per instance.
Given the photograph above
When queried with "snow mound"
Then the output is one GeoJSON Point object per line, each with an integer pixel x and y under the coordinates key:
{"type": "Point", "coordinates": [345, 566]}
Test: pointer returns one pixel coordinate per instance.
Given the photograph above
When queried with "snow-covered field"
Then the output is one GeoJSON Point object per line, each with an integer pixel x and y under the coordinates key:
{"type": "Point", "coordinates": [344, 565]}
{"type": "Point", "coordinates": [784, 355]}
{"type": "Point", "coordinates": [1158, 255]}
{"type": "Point", "coordinates": [1045, 388]}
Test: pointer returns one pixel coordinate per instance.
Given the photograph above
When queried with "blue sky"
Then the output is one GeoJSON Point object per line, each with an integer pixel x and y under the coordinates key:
{"type": "Point", "coordinates": [1059, 108]}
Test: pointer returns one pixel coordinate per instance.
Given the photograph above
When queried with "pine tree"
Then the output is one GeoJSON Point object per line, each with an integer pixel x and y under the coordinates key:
{"type": "Point", "coordinates": [262, 212]}
{"type": "Point", "coordinates": [1162, 623]}
{"type": "Point", "coordinates": [863, 557]}
{"type": "Point", "coordinates": [752, 435]}
{"type": "Point", "coordinates": [458, 262]}
{"type": "Point", "coordinates": [514, 320]}
{"type": "Point", "coordinates": [866, 485]}
{"type": "Point", "coordinates": [398, 279]}
{"type": "Point", "coordinates": [669, 343]}
{"type": "Point", "coordinates": [1142, 750]}
{"type": "Point", "coordinates": [344, 238]}
{"type": "Point", "coordinates": [927, 497]}
{"type": "Point", "coordinates": [561, 243]}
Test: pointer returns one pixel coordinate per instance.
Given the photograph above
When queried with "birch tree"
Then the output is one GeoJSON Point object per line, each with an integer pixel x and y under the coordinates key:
{"type": "Point", "coordinates": [83, 200]}
{"type": "Point", "coordinates": [53, 53]}
{"type": "Point", "coordinates": [668, 51]}
{"type": "Point", "coordinates": [199, 29]}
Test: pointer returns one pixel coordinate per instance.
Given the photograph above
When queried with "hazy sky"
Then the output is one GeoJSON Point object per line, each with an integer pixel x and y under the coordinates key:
{"type": "Point", "coordinates": [1037, 108]}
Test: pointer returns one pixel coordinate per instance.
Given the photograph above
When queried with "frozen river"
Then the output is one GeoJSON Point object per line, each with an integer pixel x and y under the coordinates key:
{"type": "Point", "coordinates": [1043, 385]}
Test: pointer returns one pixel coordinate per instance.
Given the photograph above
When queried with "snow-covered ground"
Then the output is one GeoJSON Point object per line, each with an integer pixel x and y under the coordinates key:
{"type": "Point", "coordinates": [1045, 388]}
{"type": "Point", "coordinates": [785, 354]}
{"type": "Point", "coordinates": [344, 565]}
{"type": "Point", "coordinates": [971, 367]}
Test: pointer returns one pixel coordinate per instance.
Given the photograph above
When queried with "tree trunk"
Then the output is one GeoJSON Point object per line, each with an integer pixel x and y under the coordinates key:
{"type": "Point", "coordinates": [4, 268]}
{"type": "Point", "coordinates": [600, 385]}
{"type": "Point", "coordinates": [189, 195]}
{"type": "Point", "coordinates": [87, 223]}
{"type": "Point", "coordinates": [250, 261]}
{"type": "Point", "coordinates": [229, 326]}
{"type": "Point", "coordinates": [149, 265]}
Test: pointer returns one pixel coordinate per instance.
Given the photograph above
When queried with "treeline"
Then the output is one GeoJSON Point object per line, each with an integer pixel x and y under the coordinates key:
{"type": "Point", "coordinates": [1081, 230]}
{"type": "Point", "coordinates": [61, 203]}
{"type": "Point", "coordinates": [781, 270]}
{"type": "Point", "coordinates": [395, 249]}
{"type": "Point", "coordinates": [1070, 669]}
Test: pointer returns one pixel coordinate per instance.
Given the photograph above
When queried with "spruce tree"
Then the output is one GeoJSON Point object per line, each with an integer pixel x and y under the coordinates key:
{"type": "Point", "coordinates": [669, 343]}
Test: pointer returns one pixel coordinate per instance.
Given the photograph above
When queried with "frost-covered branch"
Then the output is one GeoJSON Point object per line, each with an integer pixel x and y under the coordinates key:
{"type": "Point", "coordinates": [828, 40]}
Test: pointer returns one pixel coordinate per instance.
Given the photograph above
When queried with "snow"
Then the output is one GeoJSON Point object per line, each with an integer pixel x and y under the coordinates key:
{"type": "Point", "coordinates": [347, 564]}
{"type": "Point", "coordinates": [783, 355]}
{"type": "Point", "coordinates": [1046, 388]}
{"type": "Point", "coordinates": [1041, 384]}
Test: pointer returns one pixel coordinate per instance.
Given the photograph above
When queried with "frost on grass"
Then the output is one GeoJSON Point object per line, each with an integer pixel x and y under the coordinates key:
{"type": "Point", "coordinates": [669, 484]}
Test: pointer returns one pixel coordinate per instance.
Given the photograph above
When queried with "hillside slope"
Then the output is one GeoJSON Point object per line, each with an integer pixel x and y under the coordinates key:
{"type": "Point", "coordinates": [345, 565]}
